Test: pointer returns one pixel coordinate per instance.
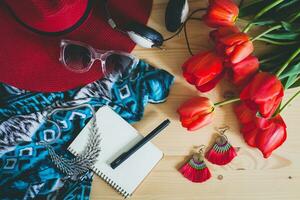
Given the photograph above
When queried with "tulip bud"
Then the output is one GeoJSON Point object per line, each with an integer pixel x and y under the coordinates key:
{"type": "Point", "coordinates": [240, 73]}
{"type": "Point", "coordinates": [203, 70]}
{"type": "Point", "coordinates": [221, 13]}
{"type": "Point", "coordinates": [262, 133]}
{"type": "Point", "coordinates": [263, 94]}
{"type": "Point", "coordinates": [235, 47]}
{"type": "Point", "coordinates": [196, 113]}
{"type": "Point", "coordinates": [272, 135]}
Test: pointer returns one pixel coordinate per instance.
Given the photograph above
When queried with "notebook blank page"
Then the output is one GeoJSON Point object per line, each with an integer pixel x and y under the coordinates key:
{"type": "Point", "coordinates": [117, 137]}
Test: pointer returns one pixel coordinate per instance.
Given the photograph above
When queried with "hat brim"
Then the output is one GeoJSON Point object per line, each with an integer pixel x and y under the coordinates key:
{"type": "Point", "coordinates": [30, 61]}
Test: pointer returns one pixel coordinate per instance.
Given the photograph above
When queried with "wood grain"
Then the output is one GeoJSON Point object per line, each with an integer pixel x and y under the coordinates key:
{"type": "Point", "coordinates": [248, 177]}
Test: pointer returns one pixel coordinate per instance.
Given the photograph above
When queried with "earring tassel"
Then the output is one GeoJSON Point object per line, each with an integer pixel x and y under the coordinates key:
{"type": "Point", "coordinates": [195, 170]}
{"type": "Point", "coordinates": [221, 154]}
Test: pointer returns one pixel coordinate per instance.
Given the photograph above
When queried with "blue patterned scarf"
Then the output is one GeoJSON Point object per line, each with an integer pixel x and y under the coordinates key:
{"type": "Point", "coordinates": [26, 171]}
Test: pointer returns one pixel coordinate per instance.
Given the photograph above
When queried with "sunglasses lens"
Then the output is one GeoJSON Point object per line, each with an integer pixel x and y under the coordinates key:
{"type": "Point", "coordinates": [117, 64]}
{"type": "Point", "coordinates": [77, 58]}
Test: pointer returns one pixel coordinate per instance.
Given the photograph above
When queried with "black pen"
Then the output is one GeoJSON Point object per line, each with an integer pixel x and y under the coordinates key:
{"type": "Point", "coordinates": [138, 145]}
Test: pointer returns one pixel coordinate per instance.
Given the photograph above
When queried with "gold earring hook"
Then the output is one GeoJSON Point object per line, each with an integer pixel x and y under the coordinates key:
{"type": "Point", "coordinates": [202, 148]}
{"type": "Point", "coordinates": [221, 131]}
{"type": "Point", "coordinates": [199, 156]}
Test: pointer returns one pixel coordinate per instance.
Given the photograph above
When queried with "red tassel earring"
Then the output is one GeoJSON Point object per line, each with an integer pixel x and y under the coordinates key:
{"type": "Point", "coordinates": [196, 170]}
{"type": "Point", "coordinates": [222, 152]}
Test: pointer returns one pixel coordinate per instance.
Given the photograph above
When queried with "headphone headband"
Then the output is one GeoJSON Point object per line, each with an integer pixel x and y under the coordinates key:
{"type": "Point", "coordinates": [108, 16]}
{"type": "Point", "coordinates": [143, 35]}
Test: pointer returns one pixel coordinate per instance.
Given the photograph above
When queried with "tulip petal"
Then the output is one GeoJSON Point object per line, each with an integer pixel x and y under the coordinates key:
{"type": "Point", "coordinates": [196, 113]}
{"type": "Point", "coordinates": [244, 114]}
{"type": "Point", "coordinates": [249, 133]}
{"type": "Point", "coordinates": [221, 13]}
{"type": "Point", "coordinates": [216, 34]}
{"type": "Point", "coordinates": [195, 106]}
{"type": "Point", "coordinates": [243, 71]}
{"type": "Point", "coordinates": [227, 5]}
{"type": "Point", "coordinates": [200, 122]}
{"type": "Point", "coordinates": [234, 39]}
{"type": "Point", "coordinates": [202, 68]}
{"type": "Point", "coordinates": [273, 137]}
{"type": "Point", "coordinates": [264, 93]}
{"type": "Point", "coordinates": [241, 52]}
{"type": "Point", "coordinates": [210, 85]}
{"type": "Point", "coordinates": [189, 78]}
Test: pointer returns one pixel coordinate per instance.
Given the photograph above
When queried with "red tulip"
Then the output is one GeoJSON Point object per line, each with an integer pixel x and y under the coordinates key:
{"type": "Point", "coordinates": [265, 134]}
{"type": "Point", "coordinates": [221, 32]}
{"type": "Point", "coordinates": [247, 118]}
{"type": "Point", "coordinates": [203, 70]}
{"type": "Point", "coordinates": [235, 47]}
{"type": "Point", "coordinates": [250, 132]}
{"type": "Point", "coordinates": [211, 84]}
{"type": "Point", "coordinates": [272, 135]}
{"type": "Point", "coordinates": [242, 72]}
{"type": "Point", "coordinates": [243, 113]}
{"type": "Point", "coordinates": [221, 13]}
{"type": "Point", "coordinates": [263, 94]}
{"type": "Point", "coordinates": [196, 113]}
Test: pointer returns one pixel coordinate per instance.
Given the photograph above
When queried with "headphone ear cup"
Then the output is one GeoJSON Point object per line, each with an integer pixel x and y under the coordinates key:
{"type": "Point", "coordinates": [143, 35]}
{"type": "Point", "coordinates": [176, 14]}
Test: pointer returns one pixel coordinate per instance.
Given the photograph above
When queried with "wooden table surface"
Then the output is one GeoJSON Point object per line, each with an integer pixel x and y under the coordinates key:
{"type": "Point", "coordinates": [249, 176]}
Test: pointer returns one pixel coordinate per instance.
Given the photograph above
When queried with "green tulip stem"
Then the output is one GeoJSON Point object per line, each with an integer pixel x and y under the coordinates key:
{"type": "Point", "coordinates": [266, 32]}
{"type": "Point", "coordinates": [247, 28]}
{"type": "Point", "coordinates": [288, 102]}
{"type": "Point", "coordinates": [286, 64]}
{"type": "Point", "coordinates": [277, 42]}
{"type": "Point", "coordinates": [295, 17]}
{"type": "Point", "coordinates": [263, 11]}
{"type": "Point", "coordinates": [228, 101]}
{"type": "Point", "coordinates": [270, 58]}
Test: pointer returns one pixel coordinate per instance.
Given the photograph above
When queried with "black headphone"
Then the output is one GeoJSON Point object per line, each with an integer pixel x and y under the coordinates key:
{"type": "Point", "coordinates": [176, 14]}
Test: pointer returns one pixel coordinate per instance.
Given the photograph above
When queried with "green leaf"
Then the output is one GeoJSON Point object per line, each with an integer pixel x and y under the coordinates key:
{"type": "Point", "coordinates": [271, 61]}
{"type": "Point", "coordinates": [288, 82]}
{"type": "Point", "coordinates": [283, 36]}
{"type": "Point", "coordinates": [283, 11]}
{"type": "Point", "coordinates": [279, 42]}
{"type": "Point", "coordinates": [264, 22]}
{"type": "Point", "coordinates": [291, 71]}
{"type": "Point", "coordinates": [252, 7]}
{"type": "Point", "coordinates": [291, 27]}
{"type": "Point", "coordinates": [286, 4]}
{"type": "Point", "coordinates": [296, 84]}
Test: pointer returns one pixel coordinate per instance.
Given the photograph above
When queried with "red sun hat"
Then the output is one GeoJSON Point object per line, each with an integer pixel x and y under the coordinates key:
{"type": "Point", "coordinates": [32, 30]}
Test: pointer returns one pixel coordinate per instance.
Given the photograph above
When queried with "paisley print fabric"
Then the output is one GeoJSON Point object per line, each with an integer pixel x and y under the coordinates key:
{"type": "Point", "coordinates": [28, 118]}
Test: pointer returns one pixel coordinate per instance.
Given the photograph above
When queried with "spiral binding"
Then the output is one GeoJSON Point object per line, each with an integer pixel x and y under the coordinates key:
{"type": "Point", "coordinates": [105, 178]}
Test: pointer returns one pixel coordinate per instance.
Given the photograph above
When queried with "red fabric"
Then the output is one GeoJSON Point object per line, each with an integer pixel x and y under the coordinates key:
{"type": "Point", "coordinates": [49, 16]}
{"type": "Point", "coordinates": [31, 61]}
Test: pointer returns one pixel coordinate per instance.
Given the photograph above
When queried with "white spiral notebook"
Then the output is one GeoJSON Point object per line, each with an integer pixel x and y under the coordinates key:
{"type": "Point", "coordinates": [119, 136]}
